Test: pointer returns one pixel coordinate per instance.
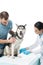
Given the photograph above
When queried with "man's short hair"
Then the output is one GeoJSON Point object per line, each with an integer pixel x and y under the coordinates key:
{"type": "Point", "coordinates": [4, 15]}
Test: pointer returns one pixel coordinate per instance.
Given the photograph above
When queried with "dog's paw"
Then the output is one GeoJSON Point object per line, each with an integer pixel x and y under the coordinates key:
{"type": "Point", "coordinates": [8, 55]}
{"type": "Point", "coordinates": [19, 56]}
{"type": "Point", "coordinates": [12, 57]}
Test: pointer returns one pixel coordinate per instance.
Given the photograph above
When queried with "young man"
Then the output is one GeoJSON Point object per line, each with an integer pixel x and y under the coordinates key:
{"type": "Point", "coordinates": [38, 28]}
{"type": "Point", "coordinates": [5, 28]}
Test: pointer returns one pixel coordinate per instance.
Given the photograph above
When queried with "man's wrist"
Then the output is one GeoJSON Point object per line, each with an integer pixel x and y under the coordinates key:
{"type": "Point", "coordinates": [7, 41]}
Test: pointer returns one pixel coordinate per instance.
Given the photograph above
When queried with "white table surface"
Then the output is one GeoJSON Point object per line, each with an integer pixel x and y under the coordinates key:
{"type": "Point", "coordinates": [24, 59]}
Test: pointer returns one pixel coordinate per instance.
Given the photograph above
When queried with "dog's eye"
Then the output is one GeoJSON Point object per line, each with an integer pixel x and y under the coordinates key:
{"type": "Point", "coordinates": [19, 28]}
{"type": "Point", "coordinates": [22, 28]}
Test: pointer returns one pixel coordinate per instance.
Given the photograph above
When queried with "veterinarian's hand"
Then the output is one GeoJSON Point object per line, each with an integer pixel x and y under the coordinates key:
{"type": "Point", "coordinates": [27, 48]}
{"type": "Point", "coordinates": [11, 40]}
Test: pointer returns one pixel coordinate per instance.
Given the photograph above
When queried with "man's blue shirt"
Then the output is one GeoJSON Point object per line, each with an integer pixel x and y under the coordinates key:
{"type": "Point", "coordinates": [4, 30]}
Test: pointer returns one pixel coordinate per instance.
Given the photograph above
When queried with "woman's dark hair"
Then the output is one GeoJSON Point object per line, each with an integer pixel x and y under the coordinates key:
{"type": "Point", "coordinates": [4, 15]}
{"type": "Point", "coordinates": [39, 25]}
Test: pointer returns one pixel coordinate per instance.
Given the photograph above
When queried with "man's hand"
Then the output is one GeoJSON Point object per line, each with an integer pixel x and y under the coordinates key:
{"type": "Point", "coordinates": [11, 40]}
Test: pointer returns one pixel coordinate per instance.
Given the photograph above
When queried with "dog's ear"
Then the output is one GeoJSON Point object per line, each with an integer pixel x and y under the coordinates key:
{"type": "Point", "coordinates": [17, 25]}
{"type": "Point", "coordinates": [25, 25]}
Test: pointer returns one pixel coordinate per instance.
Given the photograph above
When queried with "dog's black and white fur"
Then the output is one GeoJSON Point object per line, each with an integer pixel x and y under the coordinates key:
{"type": "Point", "coordinates": [13, 49]}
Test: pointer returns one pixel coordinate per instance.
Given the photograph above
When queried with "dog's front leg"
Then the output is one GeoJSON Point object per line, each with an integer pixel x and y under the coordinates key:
{"type": "Point", "coordinates": [18, 52]}
{"type": "Point", "coordinates": [12, 50]}
{"type": "Point", "coordinates": [7, 51]}
{"type": "Point", "coordinates": [19, 55]}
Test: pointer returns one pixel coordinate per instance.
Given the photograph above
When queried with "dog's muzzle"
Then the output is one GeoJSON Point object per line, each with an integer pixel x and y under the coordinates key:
{"type": "Point", "coordinates": [21, 33]}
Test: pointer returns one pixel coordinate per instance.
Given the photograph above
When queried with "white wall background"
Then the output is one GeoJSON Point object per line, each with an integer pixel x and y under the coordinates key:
{"type": "Point", "coordinates": [24, 12]}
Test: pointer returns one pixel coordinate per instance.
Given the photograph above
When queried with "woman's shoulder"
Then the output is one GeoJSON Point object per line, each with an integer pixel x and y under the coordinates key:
{"type": "Point", "coordinates": [42, 37]}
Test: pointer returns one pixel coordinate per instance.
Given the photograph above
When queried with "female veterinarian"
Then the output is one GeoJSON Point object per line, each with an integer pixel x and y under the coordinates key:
{"type": "Point", "coordinates": [38, 28]}
{"type": "Point", "coordinates": [5, 28]}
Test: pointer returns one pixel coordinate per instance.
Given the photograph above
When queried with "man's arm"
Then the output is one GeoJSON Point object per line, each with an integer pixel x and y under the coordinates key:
{"type": "Point", "coordinates": [11, 40]}
{"type": "Point", "coordinates": [3, 41]}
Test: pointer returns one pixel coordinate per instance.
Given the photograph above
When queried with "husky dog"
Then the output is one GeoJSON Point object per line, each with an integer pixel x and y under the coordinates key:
{"type": "Point", "coordinates": [13, 49]}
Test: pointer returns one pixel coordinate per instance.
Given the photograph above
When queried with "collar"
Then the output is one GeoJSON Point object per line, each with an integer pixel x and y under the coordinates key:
{"type": "Point", "coordinates": [18, 36]}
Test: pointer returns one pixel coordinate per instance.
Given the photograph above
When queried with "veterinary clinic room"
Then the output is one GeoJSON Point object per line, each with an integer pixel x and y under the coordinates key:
{"type": "Point", "coordinates": [21, 32]}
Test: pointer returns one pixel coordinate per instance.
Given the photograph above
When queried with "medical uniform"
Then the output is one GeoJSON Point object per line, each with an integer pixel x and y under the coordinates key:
{"type": "Point", "coordinates": [39, 41]}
